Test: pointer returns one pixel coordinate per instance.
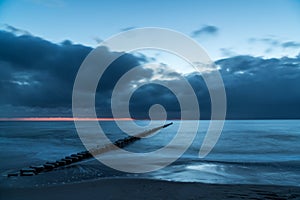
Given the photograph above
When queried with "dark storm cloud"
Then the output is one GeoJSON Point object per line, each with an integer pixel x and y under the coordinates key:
{"type": "Point", "coordinates": [151, 94]}
{"type": "Point", "coordinates": [36, 73]}
{"type": "Point", "coordinates": [205, 30]}
{"type": "Point", "coordinates": [262, 88]}
{"type": "Point", "coordinates": [41, 73]}
{"type": "Point", "coordinates": [37, 76]}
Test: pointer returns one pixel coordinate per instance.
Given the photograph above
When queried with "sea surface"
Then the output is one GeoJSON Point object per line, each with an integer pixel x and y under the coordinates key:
{"type": "Point", "coordinates": [248, 152]}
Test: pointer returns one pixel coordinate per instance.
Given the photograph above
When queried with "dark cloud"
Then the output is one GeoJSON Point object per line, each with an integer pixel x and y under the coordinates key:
{"type": "Point", "coordinates": [36, 73]}
{"type": "Point", "coordinates": [290, 44]}
{"type": "Point", "coordinates": [128, 28]}
{"type": "Point", "coordinates": [151, 94]}
{"type": "Point", "coordinates": [97, 40]}
{"type": "Point", "coordinates": [275, 43]}
{"type": "Point", "coordinates": [41, 73]}
{"type": "Point", "coordinates": [205, 30]}
{"type": "Point", "coordinates": [37, 76]}
{"type": "Point", "coordinates": [262, 88]}
{"type": "Point", "coordinates": [269, 41]}
{"type": "Point", "coordinates": [15, 30]}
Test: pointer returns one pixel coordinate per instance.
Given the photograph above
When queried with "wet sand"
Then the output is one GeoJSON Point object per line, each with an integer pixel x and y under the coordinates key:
{"type": "Point", "coordinates": [129, 188]}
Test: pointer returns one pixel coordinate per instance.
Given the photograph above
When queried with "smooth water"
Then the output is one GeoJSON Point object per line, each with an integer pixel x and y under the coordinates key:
{"type": "Point", "coordinates": [248, 151]}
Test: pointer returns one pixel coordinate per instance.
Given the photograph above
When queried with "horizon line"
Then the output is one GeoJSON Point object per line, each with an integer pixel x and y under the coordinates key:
{"type": "Point", "coordinates": [48, 119]}
{"type": "Point", "coordinates": [63, 119]}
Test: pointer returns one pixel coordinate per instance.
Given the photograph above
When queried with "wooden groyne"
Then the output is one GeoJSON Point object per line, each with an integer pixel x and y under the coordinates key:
{"type": "Point", "coordinates": [83, 155]}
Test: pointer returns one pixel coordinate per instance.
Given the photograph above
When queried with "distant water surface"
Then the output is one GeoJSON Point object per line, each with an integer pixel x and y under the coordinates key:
{"type": "Point", "coordinates": [248, 152]}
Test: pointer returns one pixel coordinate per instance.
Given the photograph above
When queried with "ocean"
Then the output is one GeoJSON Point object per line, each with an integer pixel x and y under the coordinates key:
{"type": "Point", "coordinates": [263, 152]}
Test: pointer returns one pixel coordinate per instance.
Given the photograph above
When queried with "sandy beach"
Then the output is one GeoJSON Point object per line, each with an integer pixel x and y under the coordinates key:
{"type": "Point", "coordinates": [129, 188]}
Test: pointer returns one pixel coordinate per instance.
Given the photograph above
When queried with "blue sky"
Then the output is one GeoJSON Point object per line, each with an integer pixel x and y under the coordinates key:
{"type": "Point", "coordinates": [242, 27]}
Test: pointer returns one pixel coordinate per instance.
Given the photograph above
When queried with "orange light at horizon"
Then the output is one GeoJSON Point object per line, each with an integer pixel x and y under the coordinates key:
{"type": "Point", "coordinates": [46, 119]}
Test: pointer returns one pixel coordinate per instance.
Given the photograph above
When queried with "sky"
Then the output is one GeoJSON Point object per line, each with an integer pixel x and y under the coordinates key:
{"type": "Point", "coordinates": [238, 27]}
{"type": "Point", "coordinates": [255, 44]}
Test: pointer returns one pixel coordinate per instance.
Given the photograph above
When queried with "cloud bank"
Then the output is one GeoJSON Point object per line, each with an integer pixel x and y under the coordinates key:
{"type": "Point", "coordinates": [262, 88]}
{"type": "Point", "coordinates": [37, 76]}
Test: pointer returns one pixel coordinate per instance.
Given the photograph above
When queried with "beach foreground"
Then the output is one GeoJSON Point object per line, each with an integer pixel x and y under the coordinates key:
{"type": "Point", "coordinates": [129, 188]}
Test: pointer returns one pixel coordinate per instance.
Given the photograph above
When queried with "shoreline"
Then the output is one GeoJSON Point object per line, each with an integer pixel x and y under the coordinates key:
{"type": "Point", "coordinates": [141, 188]}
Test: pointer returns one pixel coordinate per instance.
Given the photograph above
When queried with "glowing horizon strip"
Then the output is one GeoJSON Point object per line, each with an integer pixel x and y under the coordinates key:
{"type": "Point", "coordinates": [62, 119]}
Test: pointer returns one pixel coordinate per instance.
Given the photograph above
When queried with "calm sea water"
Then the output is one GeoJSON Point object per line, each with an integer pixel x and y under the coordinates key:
{"type": "Point", "coordinates": [248, 151]}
